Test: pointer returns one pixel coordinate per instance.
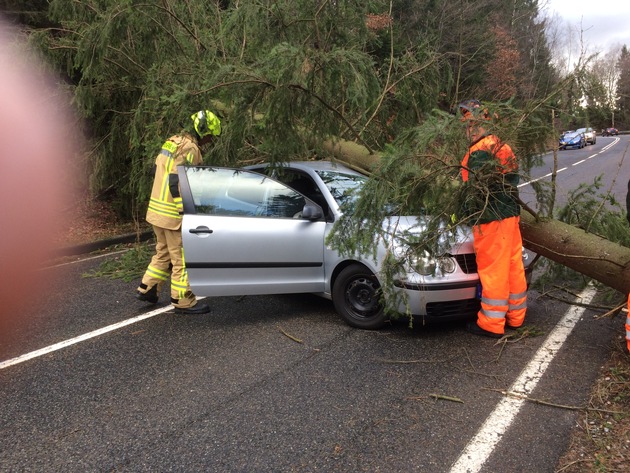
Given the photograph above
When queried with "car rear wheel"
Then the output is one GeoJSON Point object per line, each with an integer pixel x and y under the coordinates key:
{"type": "Point", "coordinates": [357, 298]}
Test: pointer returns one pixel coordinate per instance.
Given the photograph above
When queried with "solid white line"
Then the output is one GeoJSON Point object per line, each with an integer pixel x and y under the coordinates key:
{"type": "Point", "coordinates": [81, 338]}
{"type": "Point", "coordinates": [493, 429]}
{"type": "Point", "coordinates": [89, 258]}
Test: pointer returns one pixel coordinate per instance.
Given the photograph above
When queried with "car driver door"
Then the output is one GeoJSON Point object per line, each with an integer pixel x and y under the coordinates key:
{"type": "Point", "coordinates": [245, 233]}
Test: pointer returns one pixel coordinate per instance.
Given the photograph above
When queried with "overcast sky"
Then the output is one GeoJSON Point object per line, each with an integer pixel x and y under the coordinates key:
{"type": "Point", "coordinates": [605, 23]}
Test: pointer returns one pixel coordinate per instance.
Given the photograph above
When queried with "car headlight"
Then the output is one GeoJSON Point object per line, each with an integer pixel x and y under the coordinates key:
{"type": "Point", "coordinates": [423, 263]}
{"type": "Point", "coordinates": [428, 265]}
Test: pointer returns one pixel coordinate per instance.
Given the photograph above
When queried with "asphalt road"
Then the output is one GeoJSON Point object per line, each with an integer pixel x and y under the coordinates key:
{"type": "Point", "coordinates": [281, 384]}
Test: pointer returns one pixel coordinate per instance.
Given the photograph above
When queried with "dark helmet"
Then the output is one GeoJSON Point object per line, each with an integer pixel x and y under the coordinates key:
{"type": "Point", "coordinates": [206, 123]}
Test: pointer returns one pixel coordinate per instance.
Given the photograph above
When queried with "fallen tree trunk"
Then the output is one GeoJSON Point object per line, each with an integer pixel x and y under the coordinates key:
{"type": "Point", "coordinates": [586, 253]}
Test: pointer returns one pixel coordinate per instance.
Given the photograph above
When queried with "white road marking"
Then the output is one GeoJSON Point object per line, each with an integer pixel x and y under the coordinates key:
{"type": "Point", "coordinates": [574, 164]}
{"type": "Point", "coordinates": [81, 338]}
{"type": "Point", "coordinates": [493, 429]}
{"type": "Point", "coordinates": [81, 260]}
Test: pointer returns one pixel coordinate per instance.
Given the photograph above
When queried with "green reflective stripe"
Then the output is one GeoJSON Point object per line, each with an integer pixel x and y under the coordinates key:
{"type": "Point", "coordinates": [518, 296]}
{"type": "Point", "coordinates": [518, 306]}
{"type": "Point", "coordinates": [170, 147]}
{"type": "Point", "coordinates": [164, 208]}
{"type": "Point", "coordinates": [493, 314]}
{"type": "Point", "coordinates": [164, 190]}
{"type": "Point", "coordinates": [486, 300]}
{"type": "Point", "coordinates": [190, 157]}
{"type": "Point", "coordinates": [180, 287]}
{"type": "Point", "coordinates": [156, 273]}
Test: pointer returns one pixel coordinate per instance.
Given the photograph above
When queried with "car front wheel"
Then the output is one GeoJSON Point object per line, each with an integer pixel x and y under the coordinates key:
{"type": "Point", "coordinates": [357, 298]}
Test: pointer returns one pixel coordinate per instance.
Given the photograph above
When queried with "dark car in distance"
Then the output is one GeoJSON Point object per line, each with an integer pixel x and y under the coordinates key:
{"type": "Point", "coordinates": [610, 132]}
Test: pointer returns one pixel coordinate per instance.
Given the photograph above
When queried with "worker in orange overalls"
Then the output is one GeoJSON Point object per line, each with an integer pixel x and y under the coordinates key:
{"type": "Point", "coordinates": [628, 313]}
{"type": "Point", "coordinates": [165, 214]}
{"type": "Point", "coordinates": [490, 170]}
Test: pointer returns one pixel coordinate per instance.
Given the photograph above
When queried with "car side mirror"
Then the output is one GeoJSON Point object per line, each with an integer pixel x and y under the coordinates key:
{"type": "Point", "coordinates": [312, 211]}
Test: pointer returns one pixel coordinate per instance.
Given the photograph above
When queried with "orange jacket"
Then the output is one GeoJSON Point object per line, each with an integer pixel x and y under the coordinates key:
{"type": "Point", "coordinates": [499, 201]}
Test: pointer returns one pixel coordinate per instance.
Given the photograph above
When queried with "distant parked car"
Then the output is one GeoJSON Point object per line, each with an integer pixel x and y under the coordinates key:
{"type": "Point", "coordinates": [610, 132]}
{"type": "Point", "coordinates": [589, 134]}
{"type": "Point", "coordinates": [572, 139]}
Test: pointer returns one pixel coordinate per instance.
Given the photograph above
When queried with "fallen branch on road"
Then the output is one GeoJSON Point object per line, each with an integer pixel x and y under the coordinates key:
{"type": "Point", "coordinates": [551, 404]}
{"type": "Point", "coordinates": [297, 340]}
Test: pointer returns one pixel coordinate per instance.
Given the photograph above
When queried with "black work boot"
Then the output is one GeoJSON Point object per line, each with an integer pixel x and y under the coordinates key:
{"type": "Point", "coordinates": [150, 296]}
{"type": "Point", "coordinates": [472, 327]}
{"type": "Point", "coordinates": [198, 308]}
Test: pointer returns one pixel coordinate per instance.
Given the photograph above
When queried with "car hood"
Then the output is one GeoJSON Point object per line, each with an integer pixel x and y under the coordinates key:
{"type": "Point", "coordinates": [400, 229]}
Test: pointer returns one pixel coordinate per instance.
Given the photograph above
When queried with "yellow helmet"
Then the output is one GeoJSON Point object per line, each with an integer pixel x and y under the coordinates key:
{"type": "Point", "coordinates": [206, 123]}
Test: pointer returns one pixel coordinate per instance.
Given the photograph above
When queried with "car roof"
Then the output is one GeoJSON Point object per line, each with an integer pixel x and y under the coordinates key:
{"type": "Point", "coordinates": [322, 165]}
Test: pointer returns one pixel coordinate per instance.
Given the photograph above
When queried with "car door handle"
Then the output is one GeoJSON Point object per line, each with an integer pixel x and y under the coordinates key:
{"type": "Point", "coordinates": [199, 230]}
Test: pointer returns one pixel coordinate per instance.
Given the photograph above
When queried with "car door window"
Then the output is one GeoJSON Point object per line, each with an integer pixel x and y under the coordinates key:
{"type": "Point", "coordinates": [238, 193]}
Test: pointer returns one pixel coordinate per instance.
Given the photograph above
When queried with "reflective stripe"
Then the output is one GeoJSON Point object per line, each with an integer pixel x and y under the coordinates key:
{"type": "Point", "coordinates": [519, 306]}
{"type": "Point", "coordinates": [167, 209]}
{"type": "Point", "coordinates": [166, 153]}
{"type": "Point", "coordinates": [164, 190]}
{"type": "Point", "coordinates": [169, 146]}
{"type": "Point", "coordinates": [181, 286]}
{"type": "Point", "coordinates": [493, 314]}
{"type": "Point", "coordinates": [157, 274]}
{"type": "Point", "coordinates": [486, 300]}
{"type": "Point", "coordinates": [190, 157]}
{"type": "Point", "coordinates": [628, 335]}
{"type": "Point", "coordinates": [518, 296]}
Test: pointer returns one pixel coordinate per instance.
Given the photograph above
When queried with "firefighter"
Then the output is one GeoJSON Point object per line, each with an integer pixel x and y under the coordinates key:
{"type": "Point", "coordinates": [490, 172]}
{"type": "Point", "coordinates": [165, 215]}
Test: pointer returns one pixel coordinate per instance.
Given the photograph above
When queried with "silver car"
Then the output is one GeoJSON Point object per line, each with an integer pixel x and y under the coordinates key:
{"type": "Point", "coordinates": [262, 231]}
{"type": "Point", "coordinates": [589, 134]}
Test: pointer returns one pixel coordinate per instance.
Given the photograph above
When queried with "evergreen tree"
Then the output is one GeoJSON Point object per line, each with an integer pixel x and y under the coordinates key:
{"type": "Point", "coordinates": [622, 118]}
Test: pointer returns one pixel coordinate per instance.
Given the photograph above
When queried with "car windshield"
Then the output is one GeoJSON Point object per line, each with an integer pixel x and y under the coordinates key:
{"type": "Point", "coordinates": [581, 130]}
{"type": "Point", "coordinates": [343, 187]}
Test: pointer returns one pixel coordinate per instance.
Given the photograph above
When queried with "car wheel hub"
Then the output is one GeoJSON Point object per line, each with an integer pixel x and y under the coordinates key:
{"type": "Point", "coordinates": [361, 294]}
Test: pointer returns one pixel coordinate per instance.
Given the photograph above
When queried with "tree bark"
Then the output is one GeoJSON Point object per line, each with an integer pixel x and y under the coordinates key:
{"type": "Point", "coordinates": [586, 253]}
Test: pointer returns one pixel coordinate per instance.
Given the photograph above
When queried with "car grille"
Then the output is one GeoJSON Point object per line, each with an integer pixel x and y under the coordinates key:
{"type": "Point", "coordinates": [468, 262]}
{"type": "Point", "coordinates": [461, 308]}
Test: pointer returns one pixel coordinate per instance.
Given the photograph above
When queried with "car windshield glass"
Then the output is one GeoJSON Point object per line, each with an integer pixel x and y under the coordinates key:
{"type": "Point", "coordinates": [343, 187]}
{"type": "Point", "coordinates": [581, 130]}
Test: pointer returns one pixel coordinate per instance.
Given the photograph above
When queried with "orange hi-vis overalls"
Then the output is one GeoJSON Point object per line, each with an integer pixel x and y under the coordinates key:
{"type": "Point", "coordinates": [497, 237]}
{"type": "Point", "coordinates": [164, 213]}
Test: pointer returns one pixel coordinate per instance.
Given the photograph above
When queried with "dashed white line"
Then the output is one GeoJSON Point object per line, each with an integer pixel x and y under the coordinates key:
{"type": "Point", "coordinates": [493, 429]}
{"type": "Point", "coordinates": [608, 146]}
